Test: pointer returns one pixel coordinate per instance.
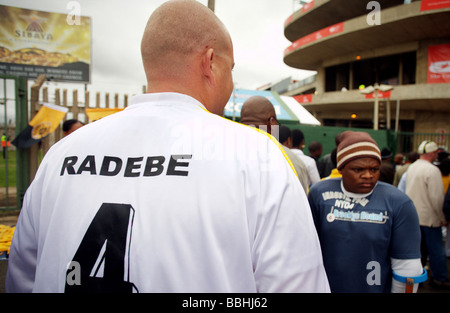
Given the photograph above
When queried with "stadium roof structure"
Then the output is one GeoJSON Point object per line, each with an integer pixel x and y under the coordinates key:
{"type": "Point", "coordinates": [399, 24]}
{"type": "Point", "coordinates": [288, 110]}
{"type": "Point", "coordinates": [353, 44]}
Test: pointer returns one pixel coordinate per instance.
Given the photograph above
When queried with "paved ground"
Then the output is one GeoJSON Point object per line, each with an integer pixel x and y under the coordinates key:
{"type": "Point", "coordinates": [11, 220]}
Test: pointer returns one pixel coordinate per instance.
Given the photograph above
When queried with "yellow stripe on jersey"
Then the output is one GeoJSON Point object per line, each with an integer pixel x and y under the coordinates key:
{"type": "Point", "coordinates": [273, 139]}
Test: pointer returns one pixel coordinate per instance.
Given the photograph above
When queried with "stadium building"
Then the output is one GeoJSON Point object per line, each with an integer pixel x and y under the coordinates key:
{"type": "Point", "coordinates": [379, 64]}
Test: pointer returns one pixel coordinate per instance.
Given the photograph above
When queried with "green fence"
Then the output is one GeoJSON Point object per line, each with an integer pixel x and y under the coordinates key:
{"type": "Point", "coordinates": [14, 163]}
{"type": "Point", "coordinates": [326, 136]}
{"type": "Point", "coordinates": [407, 142]}
{"type": "Point", "coordinates": [400, 142]}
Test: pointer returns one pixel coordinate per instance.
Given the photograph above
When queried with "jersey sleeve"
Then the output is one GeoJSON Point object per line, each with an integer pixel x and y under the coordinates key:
{"type": "Point", "coordinates": [406, 232]}
{"type": "Point", "coordinates": [287, 255]}
{"type": "Point", "coordinates": [315, 206]}
{"type": "Point", "coordinates": [23, 257]}
{"type": "Point", "coordinates": [23, 252]}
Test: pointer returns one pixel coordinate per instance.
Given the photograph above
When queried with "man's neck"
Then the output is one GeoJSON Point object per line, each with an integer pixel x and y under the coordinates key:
{"type": "Point", "coordinates": [427, 157]}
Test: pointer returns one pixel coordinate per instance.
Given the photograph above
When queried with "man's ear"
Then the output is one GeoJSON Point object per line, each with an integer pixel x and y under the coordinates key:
{"type": "Point", "coordinates": [289, 143]}
{"type": "Point", "coordinates": [207, 65]}
{"type": "Point", "coordinates": [273, 120]}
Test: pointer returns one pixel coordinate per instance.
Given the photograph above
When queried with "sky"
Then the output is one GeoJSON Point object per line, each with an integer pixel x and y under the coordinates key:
{"type": "Point", "coordinates": [256, 28]}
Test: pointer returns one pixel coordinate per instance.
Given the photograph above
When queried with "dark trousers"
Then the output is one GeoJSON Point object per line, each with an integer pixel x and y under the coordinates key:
{"type": "Point", "coordinates": [432, 248]}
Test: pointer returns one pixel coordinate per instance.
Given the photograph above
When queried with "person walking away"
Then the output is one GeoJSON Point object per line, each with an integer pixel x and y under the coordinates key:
{"type": "Point", "coordinates": [258, 112]}
{"type": "Point", "coordinates": [424, 186]}
{"type": "Point", "coordinates": [298, 142]}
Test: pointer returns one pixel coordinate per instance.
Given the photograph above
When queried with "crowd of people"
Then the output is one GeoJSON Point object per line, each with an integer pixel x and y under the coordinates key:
{"type": "Point", "coordinates": [169, 196]}
{"type": "Point", "coordinates": [360, 217]}
{"type": "Point", "coordinates": [422, 175]}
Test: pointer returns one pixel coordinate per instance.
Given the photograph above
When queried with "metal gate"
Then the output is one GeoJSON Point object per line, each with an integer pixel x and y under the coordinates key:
{"type": "Point", "coordinates": [407, 142]}
{"type": "Point", "coordinates": [14, 177]}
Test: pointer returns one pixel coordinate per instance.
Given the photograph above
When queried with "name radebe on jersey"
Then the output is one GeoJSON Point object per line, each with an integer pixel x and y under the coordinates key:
{"type": "Point", "coordinates": [127, 167]}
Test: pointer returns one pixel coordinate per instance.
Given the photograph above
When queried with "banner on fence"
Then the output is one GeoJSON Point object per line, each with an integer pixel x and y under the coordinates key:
{"type": "Point", "coordinates": [41, 125]}
{"type": "Point", "coordinates": [36, 42]}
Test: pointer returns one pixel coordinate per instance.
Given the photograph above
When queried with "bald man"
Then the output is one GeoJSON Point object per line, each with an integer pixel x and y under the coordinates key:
{"type": "Point", "coordinates": [166, 195]}
{"type": "Point", "coordinates": [258, 111]}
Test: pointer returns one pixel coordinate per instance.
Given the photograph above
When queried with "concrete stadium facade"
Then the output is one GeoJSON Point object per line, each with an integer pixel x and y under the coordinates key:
{"type": "Point", "coordinates": [354, 43]}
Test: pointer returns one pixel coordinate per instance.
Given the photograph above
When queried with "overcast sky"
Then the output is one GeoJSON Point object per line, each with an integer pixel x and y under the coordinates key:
{"type": "Point", "coordinates": [256, 28]}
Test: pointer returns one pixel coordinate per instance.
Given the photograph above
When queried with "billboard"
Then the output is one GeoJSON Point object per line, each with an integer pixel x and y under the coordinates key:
{"type": "Point", "coordinates": [36, 42]}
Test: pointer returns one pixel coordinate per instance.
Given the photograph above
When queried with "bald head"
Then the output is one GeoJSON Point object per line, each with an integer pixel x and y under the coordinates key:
{"type": "Point", "coordinates": [187, 49]}
{"type": "Point", "coordinates": [175, 32]}
{"type": "Point", "coordinates": [258, 111]}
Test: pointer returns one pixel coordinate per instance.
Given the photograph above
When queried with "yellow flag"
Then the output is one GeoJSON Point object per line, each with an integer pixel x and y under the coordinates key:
{"type": "Point", "coordinates": [98, 113]}
{"type": "Point", "coordinates": [47, 120]}
{"type": "Point", "coordinates": [43, 123]}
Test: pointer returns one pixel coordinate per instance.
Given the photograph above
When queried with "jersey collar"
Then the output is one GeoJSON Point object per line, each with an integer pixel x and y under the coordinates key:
{"type": "Point", "coordinates": [356, 195]}
{"type": "Point", "coordinates": [165, 98]}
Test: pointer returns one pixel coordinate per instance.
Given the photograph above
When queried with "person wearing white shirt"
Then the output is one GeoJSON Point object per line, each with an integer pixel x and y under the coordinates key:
{"type": "Point", "coordinates": [425, 188]}
{"type": "Point", "coordinates": [298, 140]}
{"type": "Point", "coordinates": [166, 195]}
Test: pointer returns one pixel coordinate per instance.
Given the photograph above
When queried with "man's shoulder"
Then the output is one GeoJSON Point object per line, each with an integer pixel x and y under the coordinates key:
{"type": "Point", "coordinates": [419, 163]}
{"type": "Point", "coordinates": [402, 168]}
{"type": "Point", "coordinates": [423, 167]}
{"type": "Point", "coordinates": [294, 157]}
{"type": "Point", "coordinates": [330, 184]}
{"type": "Point", "coordinates": [235, 127]}
{"type": "Point", "coordinates": [390, 193]}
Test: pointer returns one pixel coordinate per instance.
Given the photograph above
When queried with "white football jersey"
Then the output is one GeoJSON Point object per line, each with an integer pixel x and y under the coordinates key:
{"type": "Point", "coordinates": [165, 197]}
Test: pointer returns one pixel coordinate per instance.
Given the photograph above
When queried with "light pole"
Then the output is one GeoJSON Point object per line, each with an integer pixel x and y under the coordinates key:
{"type": "Point", "coordinates": [375, 89]}
{"type": "Point", "coordinates": [212, 4]}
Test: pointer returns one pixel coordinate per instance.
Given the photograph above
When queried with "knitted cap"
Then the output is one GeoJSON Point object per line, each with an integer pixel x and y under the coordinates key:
{"type": "Point", "coordinates": [356, 145]}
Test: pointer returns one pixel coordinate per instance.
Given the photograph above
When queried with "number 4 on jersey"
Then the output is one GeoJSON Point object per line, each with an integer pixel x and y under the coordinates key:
{"type": "Point", "coordinates": [103, 255]}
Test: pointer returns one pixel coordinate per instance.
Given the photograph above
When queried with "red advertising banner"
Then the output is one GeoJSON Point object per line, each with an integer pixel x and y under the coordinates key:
{"type": "Point", "coordinates": [434, 4]}
{"type": "Point", "coordinates": [305, 8]}
{"type": "Point", "coordinates": [323, 33]}
{"type": "Point", "coordinates": [439, 64]}
{"type": "Point", "coordinates": [288, 20]}
{"type": "Point", "coordinates": [381, 95]}
{"type": "Point", "coordinates": [304, 98]}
